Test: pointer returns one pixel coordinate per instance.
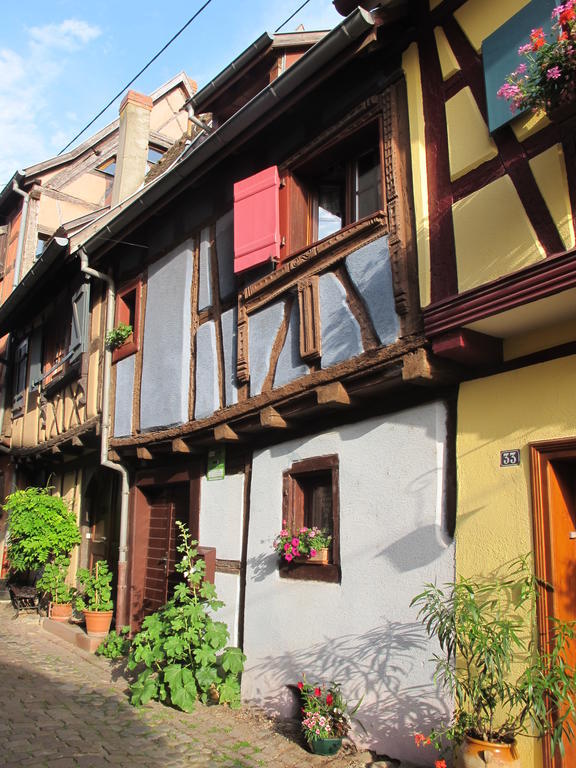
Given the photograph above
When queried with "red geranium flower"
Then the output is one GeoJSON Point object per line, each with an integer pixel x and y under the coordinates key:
{"type": "Point", "coordinates": [420, 739]}
{"type": "Point", "coordinates": [440, 764]}
{"type": "Point", "coordinates": [329, 699]}
{"type": "Point", "coordinates": [317, 692]}
{"type": "Point", "coordinates": [300, 686]}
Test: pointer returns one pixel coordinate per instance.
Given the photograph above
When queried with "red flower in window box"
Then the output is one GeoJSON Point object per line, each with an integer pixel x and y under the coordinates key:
{"type": "Point", "coordinates": [305, 543]}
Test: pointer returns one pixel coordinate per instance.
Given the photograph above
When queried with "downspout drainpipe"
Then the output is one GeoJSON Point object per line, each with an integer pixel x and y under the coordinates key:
{"type": "Point", "coordinates": [121, 599]}
{"type": "Point", "coordinates": [18, 263]}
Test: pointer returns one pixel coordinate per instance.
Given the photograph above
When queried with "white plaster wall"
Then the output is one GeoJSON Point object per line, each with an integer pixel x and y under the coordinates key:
{"type": "Point", "coordinates": [362, 632]}
{"type": "Point", "coordinates": [228, 590]}
{"type": "Point", "coordinates": [221, 506]}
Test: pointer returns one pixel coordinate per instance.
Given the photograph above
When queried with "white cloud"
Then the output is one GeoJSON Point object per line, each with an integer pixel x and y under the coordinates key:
{"type": "Point", "coordinates": [25, 81]}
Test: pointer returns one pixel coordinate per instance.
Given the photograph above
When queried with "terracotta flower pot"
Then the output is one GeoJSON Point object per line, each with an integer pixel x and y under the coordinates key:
{"type": "Point", "coordinates": [98, 622]}
{"type": "Point", "coordinates": [474, 753]}
{"type": "Point", "coordinates": [59, 611]}
{"type": "Point", "coordinates": [322, 557]}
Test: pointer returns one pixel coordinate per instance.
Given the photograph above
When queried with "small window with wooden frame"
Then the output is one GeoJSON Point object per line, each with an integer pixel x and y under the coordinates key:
{"type": "Point", "coordinates": [128, 313]}
{"type": "Point", "coordinates": [310, 498]}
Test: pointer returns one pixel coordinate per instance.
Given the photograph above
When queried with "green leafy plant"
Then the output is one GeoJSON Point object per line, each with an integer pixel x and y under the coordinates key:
{"type": "Point", "coordinates": [118, 336]}
{"type": "Point", "coordinates": [503, 685]}
{"type": "Point", "coordinates": [41, 527]}
{"type": "Point", "coordinates": [324, 711]}
{"type": "Point", "coordinates": [181, 650]}
{"type": "Point", "coordinates": [305, 542]}
{"type": "Point", "coordinates": [116, 644]}
{"type": "Point", "coordinates": [96, 593]}
{"type": "Point", "coordinates": [53, 581]}
{"type": "Point", "coordinates": [547, 78]}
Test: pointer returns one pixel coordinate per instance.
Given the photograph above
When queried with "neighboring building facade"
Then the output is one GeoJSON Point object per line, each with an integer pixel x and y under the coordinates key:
{"type": "Point", "coordinates": [348, 296]}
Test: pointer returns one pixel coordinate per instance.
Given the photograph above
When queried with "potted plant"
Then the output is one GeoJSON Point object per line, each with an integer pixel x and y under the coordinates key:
{"type": "Point", "coordinates": [53, 584]}
{"type": "Point", "coordinates": [305, 544]}
{"type": "Point", "coordinates": [325, 719]}
{"type": "Point", "coordinates": [546, 80]}
{"type": "Point", "coordinates": [503, 685]}
{"type": "Point", "coordinates": [95, 599]}
{"type": "Point", "coordinates": [118, 336]}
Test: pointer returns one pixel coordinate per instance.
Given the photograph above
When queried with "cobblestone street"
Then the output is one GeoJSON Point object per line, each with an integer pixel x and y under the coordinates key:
{"type": "Point", "coordinates": [62, 708]}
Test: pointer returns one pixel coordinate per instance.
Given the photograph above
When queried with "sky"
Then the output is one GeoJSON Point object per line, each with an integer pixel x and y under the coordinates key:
{"type": "Point", "coordinates": [61, 61]}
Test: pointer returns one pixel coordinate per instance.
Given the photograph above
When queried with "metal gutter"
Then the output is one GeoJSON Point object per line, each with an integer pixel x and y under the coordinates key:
{"type": "Point", "coordinates": [8, 190]}
{"type": "Point", "coordinates": [21, 232]}
{"type": "Point", "coordinates": [241, 61]}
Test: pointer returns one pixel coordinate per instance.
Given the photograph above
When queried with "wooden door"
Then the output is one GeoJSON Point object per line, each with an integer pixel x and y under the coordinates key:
{"type": "Point", "coordinates": [554, 503]}
{"type": "Point", "coordinates": [166, 506]}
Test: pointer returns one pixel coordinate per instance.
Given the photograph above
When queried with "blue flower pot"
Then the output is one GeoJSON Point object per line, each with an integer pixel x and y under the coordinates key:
{"type": "Point", "coordinates": [325, 746]}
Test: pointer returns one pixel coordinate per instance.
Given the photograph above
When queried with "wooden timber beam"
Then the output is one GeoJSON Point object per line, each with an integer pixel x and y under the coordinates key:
{"type": "Point", "coordinates": [180, 446]}
{"type": "Point", "coordinates": [224, 432]}
{"type": "Point", "coordinates": [114, 455]}
{"type": "Point", "coordinates": [270, 418]}
{"type": "Point", "coordinates": [144, 454]}
{"type": "Point", "coordinates": [419, 368]}
{"type": "Point", "coordinates": [77, 442]}
{"type": "Point", "coordinates": [333, 394]}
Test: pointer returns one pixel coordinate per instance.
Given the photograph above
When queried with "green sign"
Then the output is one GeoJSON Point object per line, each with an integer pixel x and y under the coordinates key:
{"type": "Point", "coordinates": [216, 468]}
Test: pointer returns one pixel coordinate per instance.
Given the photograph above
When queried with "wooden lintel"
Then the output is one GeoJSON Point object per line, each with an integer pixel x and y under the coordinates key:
{"type": "Point", "coordinates": [421, 369]}
{"type": "Point", "coordinates": [77, 442]}
{"type": "Point", "coordinates": [180, 446]}
{"type": "Point", "coordinates": [333, 394]}
{"type": "Point", "coordinates": [56, 450]}
{"type": "Point", "coordinates": [269, 417]}
{"type": "Point", "coordinates": [114, 455]}
{"type": "Point", "coordinates": [225, 432]}
{"type": "Point", "coordinates": [144, 454]}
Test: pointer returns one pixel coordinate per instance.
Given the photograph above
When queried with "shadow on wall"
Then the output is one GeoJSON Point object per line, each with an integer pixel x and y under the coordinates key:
{"type": "Point", "coordinates": [380, 668]}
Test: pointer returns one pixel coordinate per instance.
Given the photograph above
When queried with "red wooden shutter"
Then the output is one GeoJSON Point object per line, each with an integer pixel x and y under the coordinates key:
{"type": "Point", "coordinates": [256, 219]}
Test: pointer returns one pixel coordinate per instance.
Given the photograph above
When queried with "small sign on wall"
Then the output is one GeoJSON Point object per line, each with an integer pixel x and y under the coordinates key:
{"type": "Point", "coordinates": [510, 458]}
{"type": "Point", "coordinates": [216, 464]}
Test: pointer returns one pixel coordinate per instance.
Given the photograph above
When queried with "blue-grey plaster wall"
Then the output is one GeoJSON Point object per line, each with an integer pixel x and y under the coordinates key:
{"type": "Point", "coordinates": [225, 254]}
{"type": "Point", "coordinates": [229, 342]}
{"type": "Point", "coordinates": [207, 395]}
{"type": "Point", "coordinates": [205, 272]}
{"type": "Point", "coordinates": [290, 365]}
{"type": "Point", "coordinates": [371, 272]}
{"type": "Point", "coordinates": [166, 350]}
{"type": "Point", "coordinates": [124, 396]}
{"type": "Point", "coordinates": [341, 338]}
{"type": "Point", "coordinates": [263, 328]}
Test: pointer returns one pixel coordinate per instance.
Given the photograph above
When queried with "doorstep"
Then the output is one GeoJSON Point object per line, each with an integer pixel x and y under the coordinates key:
{"type": "Point", "coordinates": [72, 634]}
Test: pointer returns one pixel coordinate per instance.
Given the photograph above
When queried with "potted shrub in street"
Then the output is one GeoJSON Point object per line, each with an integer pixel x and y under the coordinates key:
{"type": "Point", "coordinates": [501, 683]}
{"type": "Point", "coordinates": [95, 598]}
{"type": "Point", "coordinates": [306, 545]}
{"type": "Point", "coordinates": [325, 719]}
{"type": "Point", "coordinates": [53, 584]}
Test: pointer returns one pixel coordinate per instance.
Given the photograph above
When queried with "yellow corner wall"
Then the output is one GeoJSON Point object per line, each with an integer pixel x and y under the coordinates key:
{"type": "Point", "coordinates": [469, 142]}
{"type": "Point", "coordinates": [448, 61]}
{"type": "Point", "coordinates": [411, 66]}
{"type": "Point", "coordinates": [549, 170]}
{"type": "Point", "coordinates": [479, 18]}
{"type": "Point", "coordinates": [493, 235]}
{"type": "Point", "coordinates": [498, 413]}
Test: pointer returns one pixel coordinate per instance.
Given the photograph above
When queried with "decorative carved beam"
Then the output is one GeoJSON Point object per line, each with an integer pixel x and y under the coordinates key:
{"type": "Point", "coordinates": [225, 432]}
{"type": "Point", "coordinates": [269, 417]}
{"type": "Point", "coordinates": [333, 394]}
{"type": "Point", "coordinates": [114, 455]}
{"type": "Point", "coordinates": [144, 454]}
{"type": "Point", "coordinates": [419, 368]}
{"type": "Point", "coordinates": [180, 446]}
{"type": "Point", "coordinates": [56, 450]}
{"type": "Point", "coordinates": [77, 442]}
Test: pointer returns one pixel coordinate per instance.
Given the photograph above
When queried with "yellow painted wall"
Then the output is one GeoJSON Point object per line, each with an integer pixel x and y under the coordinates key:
{"type": "Point", "coordinates": [493, 235]}
{"type": "Point", "coordinates": [549, 169]}
{"type": "Point", "coordinates": [497, 413]}
{"type": "Point", "coordinates": [411, 66]}
{"type": "Point", "coordinates": [469, 142]}
{"type": "Point", "coordinates": [479, 18]}
{"type": "Point", "coordinates": [448, 61]}
{"type": "Point", "coordinates": [543, 338]}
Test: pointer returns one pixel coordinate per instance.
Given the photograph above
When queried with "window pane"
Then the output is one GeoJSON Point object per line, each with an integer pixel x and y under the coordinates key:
{"type": "Point", "coordinates": [330, 212]}
{"type": "Point", "coordinates": [368, 186]}
{"type": "Point", "coordinates": [317, 491]}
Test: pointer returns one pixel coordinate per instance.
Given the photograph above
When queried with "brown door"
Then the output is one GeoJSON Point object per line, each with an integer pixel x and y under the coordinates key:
{"type": "Point", "coordinates": [166, 506]}
{"type": "Point", "coordinates": [554, 502]}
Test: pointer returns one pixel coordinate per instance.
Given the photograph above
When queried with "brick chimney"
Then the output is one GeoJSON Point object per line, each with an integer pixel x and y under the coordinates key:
{"type": "Point", "coordinates": [132, 155]}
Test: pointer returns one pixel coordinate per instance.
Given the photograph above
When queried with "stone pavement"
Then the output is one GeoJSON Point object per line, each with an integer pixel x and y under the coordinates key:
{"type": "Point", "coordinates": [63, 708]}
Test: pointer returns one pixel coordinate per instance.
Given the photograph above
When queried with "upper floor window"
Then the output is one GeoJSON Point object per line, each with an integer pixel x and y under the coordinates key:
{"type": "Point", "coordinates": [154, 156]}
{"type": "Point", "coordinates": [108, 169]}
{"type": "Point", "coordinates": [281, 210]}
{"type": "Point", "coordinates": [128, 313]}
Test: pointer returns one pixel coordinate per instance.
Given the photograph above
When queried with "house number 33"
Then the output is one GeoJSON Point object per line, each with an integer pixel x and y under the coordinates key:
{"type": "Point", "coordinates": [510, 458]}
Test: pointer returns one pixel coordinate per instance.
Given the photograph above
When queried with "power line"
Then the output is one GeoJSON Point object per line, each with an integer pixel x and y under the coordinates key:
{"type": "Point", "coordinates": [144, 68]}
{"type": "Point", "coordinates": [291, 17]}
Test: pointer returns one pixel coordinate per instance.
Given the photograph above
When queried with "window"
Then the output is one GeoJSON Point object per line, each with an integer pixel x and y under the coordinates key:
{"type": "Point", "coordinates": [20, 371]}
{"type": "Point", "coordinates": [279, 211]}
{"type": "Point", "coordinates": [40, 245]}
{"type": "Point", "coordinates": [311, 498]}
{"type": "Point", "coordinates": [154, 155]}
{"type": "Point", "coordinates": [128, 312]}
{"type": "Point", "coordinates": [108, 169]}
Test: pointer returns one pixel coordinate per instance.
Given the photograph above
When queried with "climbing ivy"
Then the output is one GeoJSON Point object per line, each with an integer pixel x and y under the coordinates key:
{"type": "Point", "coordinates": [181, 650]}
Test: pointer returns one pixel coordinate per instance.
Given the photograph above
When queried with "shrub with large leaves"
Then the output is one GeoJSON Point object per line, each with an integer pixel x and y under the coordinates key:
{"type": "Point", "coordinates": [181, 650]}
{"type": "Point", "coordinates": [41, 527]}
